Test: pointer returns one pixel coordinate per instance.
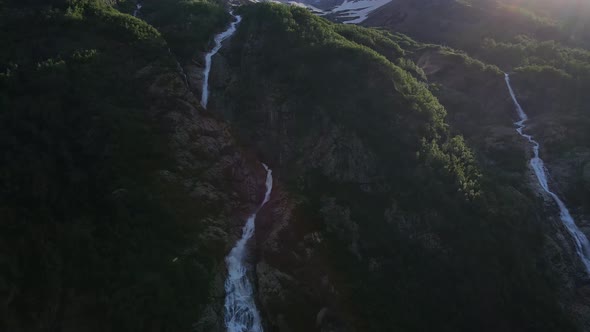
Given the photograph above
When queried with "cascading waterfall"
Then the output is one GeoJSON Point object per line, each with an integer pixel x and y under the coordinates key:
{"type": "Point", "coordinates": [241, 314]}
{"type": "Point", "coordinates": [580, 240]}
{"type": "Point", "coordinates": [218, 40]}
{"type": "Point", "coordinates": [137, 9]}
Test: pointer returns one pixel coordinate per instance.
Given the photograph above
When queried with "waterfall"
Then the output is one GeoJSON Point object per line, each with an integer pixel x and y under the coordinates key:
{"type": "Point", "coordinates": [580, 240]}
{"type": "Point", "coordinates": [241, 314]}
{"type": "Point", "coordinates": [208, 58]}
{"type": "Point", "coordinates": [137, 9]}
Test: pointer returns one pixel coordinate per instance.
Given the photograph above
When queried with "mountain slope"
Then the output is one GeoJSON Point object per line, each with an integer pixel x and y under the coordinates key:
{"type": "Point", "coordinates": [544, 46]}
{"type": "Point", "coordinates": [121, 196]}
{"type": "Point", "coordinates": [379, 202]}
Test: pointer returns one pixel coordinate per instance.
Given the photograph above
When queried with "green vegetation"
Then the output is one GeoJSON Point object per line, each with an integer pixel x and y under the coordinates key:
{"type": "Point", "coordinates": [544, 43]}
{"type": "Point", "coordinates": [420, 231]}
{"type": "Point", "coordinates": [187, 25]}
{"type": "Point", "coordinates": [553, 81]}
{"type": "Point", "coordinates": [453, 250]}
{"type": "Point", "coordinates": [89, 229]}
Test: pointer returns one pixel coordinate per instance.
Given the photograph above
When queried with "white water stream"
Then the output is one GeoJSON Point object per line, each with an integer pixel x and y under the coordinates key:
{"type": "Point", "coordinates": [241, 314]}
{"type": "Point", "coordinates": [137, 9]}
{"type": "Point", "coordinates": [218, 40]}
{"type": "Point", "coordinates": [580, 240]}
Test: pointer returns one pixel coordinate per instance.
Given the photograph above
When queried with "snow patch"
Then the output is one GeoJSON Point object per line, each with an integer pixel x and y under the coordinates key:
{"type": "Point", "coordinates": [313, 9]}
{"type": "Point", "coordinates": [348, 12]}
{"type": "Point", "coordinates": [354, 12]}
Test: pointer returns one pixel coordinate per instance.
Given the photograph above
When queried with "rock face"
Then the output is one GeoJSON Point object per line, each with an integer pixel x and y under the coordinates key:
{"type": "Point", "coordinates": [202, 145]}
{"type": "Point", "coordinates": [194, 77]}
{"type": "Point", "coordinates": [294, 281]}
